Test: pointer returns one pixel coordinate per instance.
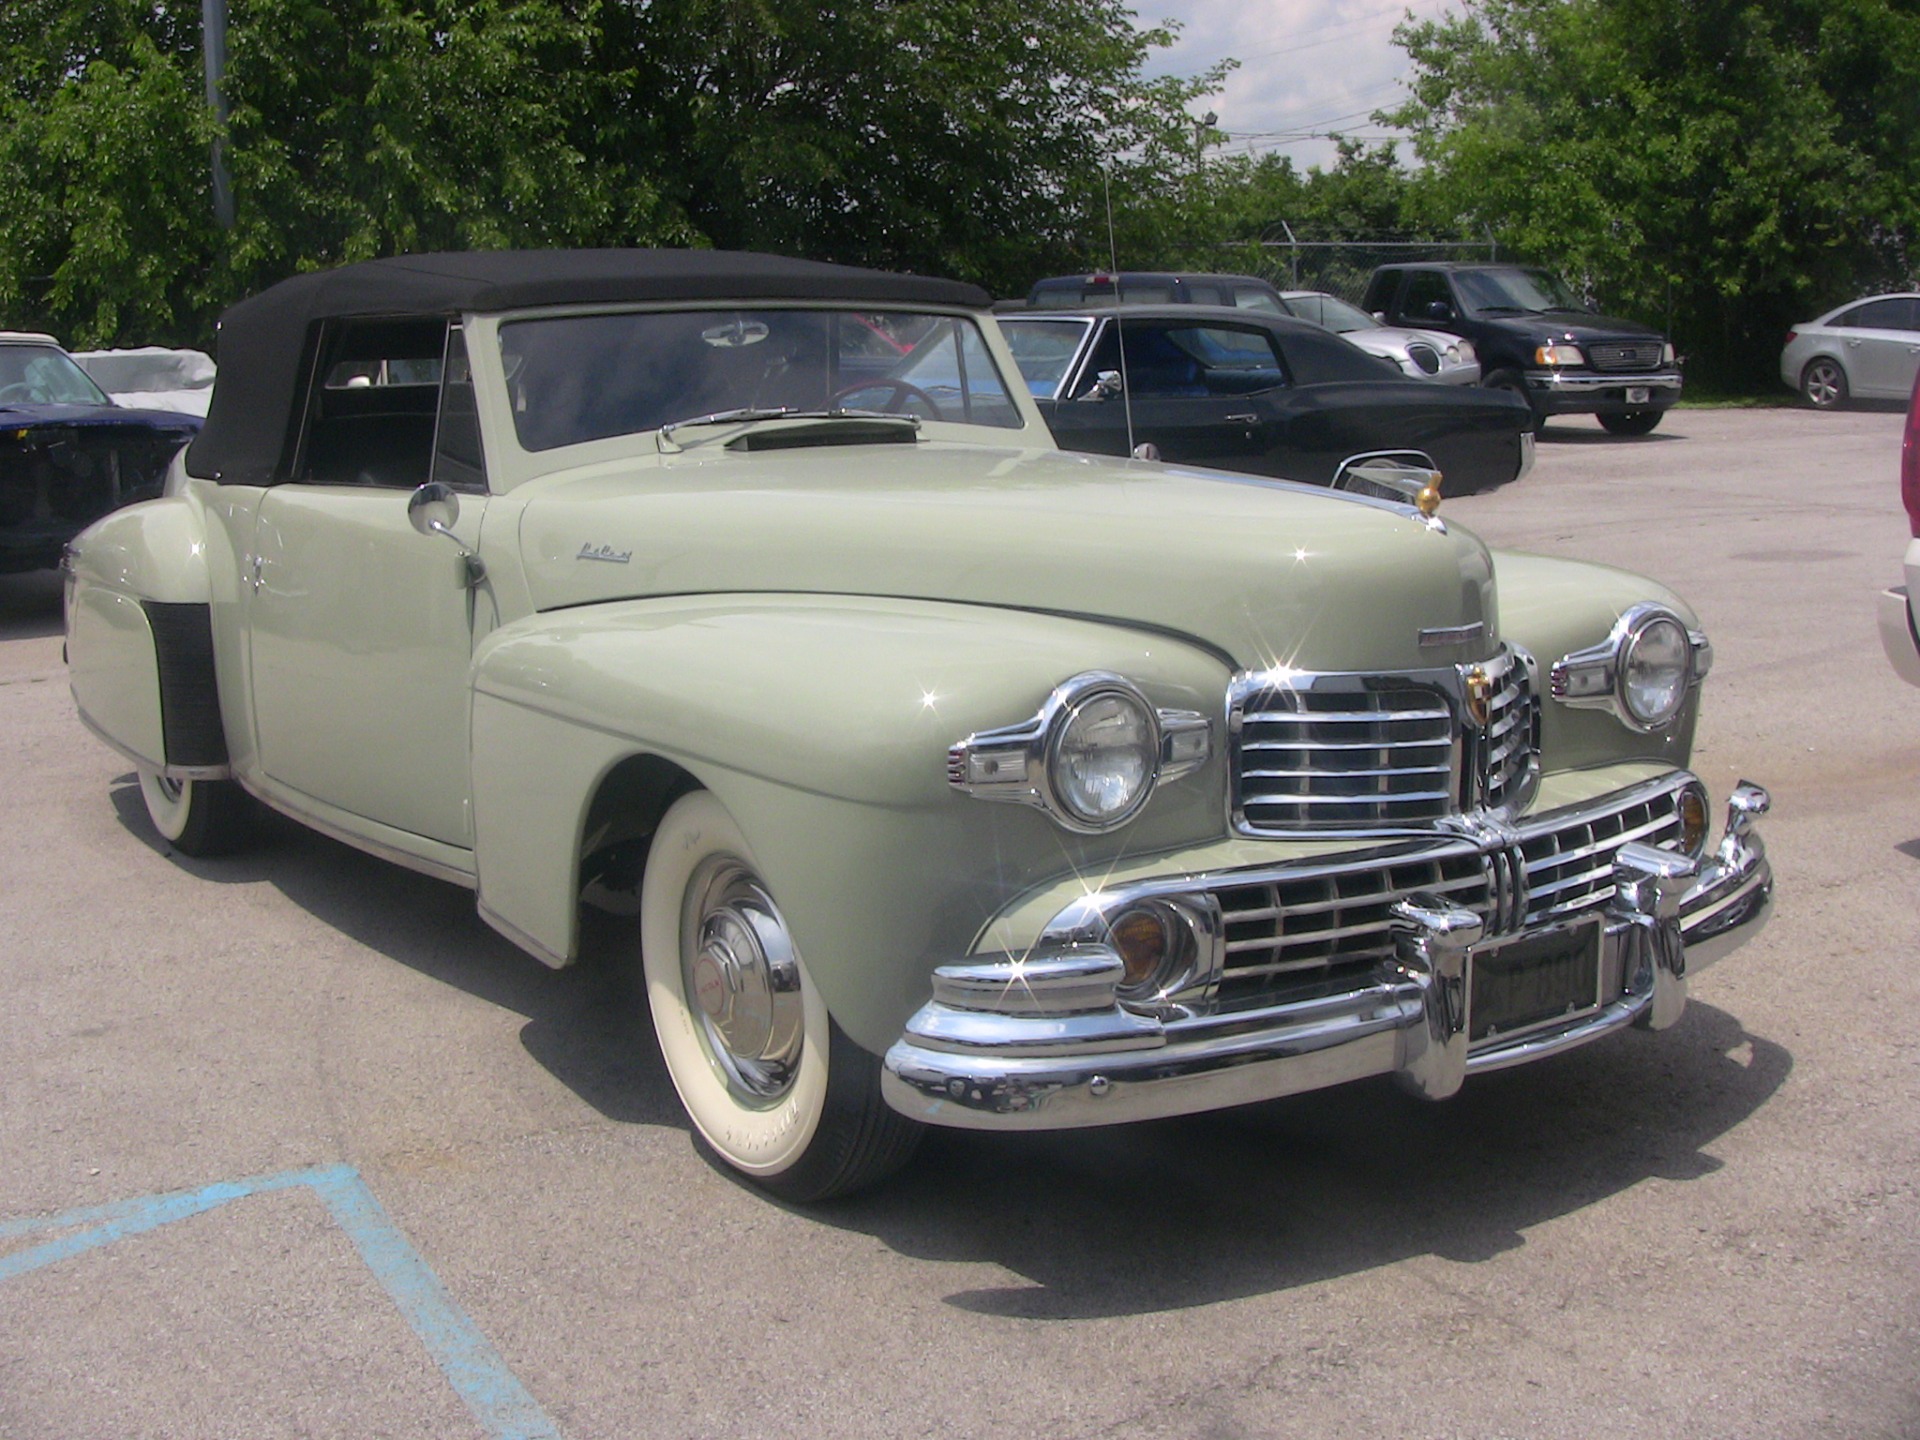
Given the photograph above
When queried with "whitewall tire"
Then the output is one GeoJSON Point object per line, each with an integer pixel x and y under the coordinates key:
{"type": "Point", "coordinates": [196, 817]}
{"type": "Point", "coordinates": [771, 1084]}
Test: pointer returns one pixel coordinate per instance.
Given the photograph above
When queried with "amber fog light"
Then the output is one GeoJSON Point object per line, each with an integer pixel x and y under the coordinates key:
{"type": "Point", "coordinates": [1143, 940]}
{"type": "Point", "coordinates": [1167, 944]}
{"type": "Point", "coordinates": [1693, 820]}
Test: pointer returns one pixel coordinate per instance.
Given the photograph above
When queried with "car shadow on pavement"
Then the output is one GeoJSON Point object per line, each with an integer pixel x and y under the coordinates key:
{"type": "Point", "coordinates": [587, 1025]}
{"type": "Point", "coordinates": [1577, 434]}
{"type": "Point", "coordinates": [31, 605]}
{"type": "Point", "coordinates": [1130, 1219]}
{"type": "Point", "coordinates": [1179, 1213]}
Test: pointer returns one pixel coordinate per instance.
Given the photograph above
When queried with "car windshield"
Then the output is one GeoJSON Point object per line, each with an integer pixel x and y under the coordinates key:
{"type": "Point", "coordinates": [586, 377]}
{"type": "Point", "coordinates": [44, 375]}
{"type": "Point", "coordinates": [1532, 292]}
{"type": "Point", "coordinates": [1332, 312]}
{"type": "Point", "coordinates": [1043, 349]}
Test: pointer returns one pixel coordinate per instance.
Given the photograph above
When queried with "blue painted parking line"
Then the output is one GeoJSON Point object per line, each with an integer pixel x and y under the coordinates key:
{"type": "Point", "coordinates": [475, 1370]}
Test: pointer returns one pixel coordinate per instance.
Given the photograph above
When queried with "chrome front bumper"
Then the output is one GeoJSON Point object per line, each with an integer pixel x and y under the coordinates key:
{"type": "Point", "coordinates": [1040, 1042]}
{"type": "Point", "coordinates": [1557, 391]}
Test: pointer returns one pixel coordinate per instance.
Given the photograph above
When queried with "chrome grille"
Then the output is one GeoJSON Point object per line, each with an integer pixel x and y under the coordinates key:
{"type": "Point", "coordinates": [1501, 759]}
{"type": "Point", "coordinates": [1326, 922]}
{"type": "Point", "coordinates": [1425, 357]}
{"type": "Point", "coordinates": [1570, 867]}
{"type": "Point", "coordinates": [1383, 752]}
{"type": "Point", "coordinates": [1375, 756]}
{"type": "Point", "coordinates": [1625, 354]}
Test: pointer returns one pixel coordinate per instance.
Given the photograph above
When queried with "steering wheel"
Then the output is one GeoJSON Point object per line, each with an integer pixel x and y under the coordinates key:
{"type": "Point", "coordinates": [20, 391]}
{"type": "Point", "coordinates": [901, 394]}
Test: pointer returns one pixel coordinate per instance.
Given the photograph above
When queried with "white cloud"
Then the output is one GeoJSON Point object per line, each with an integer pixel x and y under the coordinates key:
{"type": "Point", "coordinates": [1308, 67]}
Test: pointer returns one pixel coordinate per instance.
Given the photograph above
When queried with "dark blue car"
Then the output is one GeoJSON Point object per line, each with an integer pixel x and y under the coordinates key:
{"type": "Point", "coordinates": [68, 454]}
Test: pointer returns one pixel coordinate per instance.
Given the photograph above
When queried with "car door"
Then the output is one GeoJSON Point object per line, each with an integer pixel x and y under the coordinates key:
{"type": "Point", "coordinates": [361, 629]}
{"type": "Point", "coordinates": [1193, 389]}
{"type": "Point", "coordinates": [1880, 346]}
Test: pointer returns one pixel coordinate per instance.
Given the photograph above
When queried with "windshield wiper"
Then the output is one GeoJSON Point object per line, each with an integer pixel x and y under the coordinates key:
{"type": "Point", "coordinates": [749, 414]}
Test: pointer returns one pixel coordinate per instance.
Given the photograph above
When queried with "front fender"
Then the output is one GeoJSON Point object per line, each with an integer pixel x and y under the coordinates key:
{"type": "Point", "coordinates": [137, 625]}
{"type": "Point", "coordinates": [1553, 607]}
{"type": "Point", "coordinates": [823, 724]}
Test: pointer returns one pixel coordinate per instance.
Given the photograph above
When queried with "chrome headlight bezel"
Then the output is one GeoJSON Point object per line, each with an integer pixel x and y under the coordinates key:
{"type": "Point", "coordinates": [1021, 763]}
{"type": "Point", "coordinates": [1598, 677]}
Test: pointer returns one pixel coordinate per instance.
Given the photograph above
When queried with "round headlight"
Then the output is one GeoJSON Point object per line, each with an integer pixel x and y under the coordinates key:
{"type": "Point", "coordinates": [1655, 666]}
{"type": "Point", "coordinates": [1104, 752]}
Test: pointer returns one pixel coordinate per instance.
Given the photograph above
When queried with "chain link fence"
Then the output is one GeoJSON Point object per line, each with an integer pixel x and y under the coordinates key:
{"type": "Point", "coordinates": [1339, 267]}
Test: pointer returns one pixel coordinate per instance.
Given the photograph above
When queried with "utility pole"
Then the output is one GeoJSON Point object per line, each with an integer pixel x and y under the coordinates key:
{"type": "Point", "coordinates": [213, 47]}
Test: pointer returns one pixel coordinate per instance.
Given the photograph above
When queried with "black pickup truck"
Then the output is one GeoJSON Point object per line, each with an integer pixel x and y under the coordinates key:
{"type": "Point", "coordinates": [1536, 339]}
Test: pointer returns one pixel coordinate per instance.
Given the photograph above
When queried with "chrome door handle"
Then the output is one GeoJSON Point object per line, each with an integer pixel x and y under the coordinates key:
{"type": "Point", "coordinates": [1240, 419]}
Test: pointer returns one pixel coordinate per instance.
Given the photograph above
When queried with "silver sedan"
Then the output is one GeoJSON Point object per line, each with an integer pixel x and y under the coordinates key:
{"type": "Point", "coordinates": [1423, 354]}
{"type": "Point", "coordinates": [1865, 350]}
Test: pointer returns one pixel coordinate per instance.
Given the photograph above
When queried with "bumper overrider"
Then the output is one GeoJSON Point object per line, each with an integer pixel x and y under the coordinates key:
{"type": "Point", "coordinates": [1042, 1040]}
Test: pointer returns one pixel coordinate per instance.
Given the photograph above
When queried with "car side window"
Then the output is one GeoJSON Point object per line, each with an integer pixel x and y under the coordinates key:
{"type": "Point", "coordinates": [1191, 361]}
{"type": "Point", "coordinates": [371, 410]}
{"type": "Point", "coordinates": [459, 459]}
{"type": "Point", "coordinates": [1894, 313]}
{"type": "Point", "coordinates": [1425, 290]}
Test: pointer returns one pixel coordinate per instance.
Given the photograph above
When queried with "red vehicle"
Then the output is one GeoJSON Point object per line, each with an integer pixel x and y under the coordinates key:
{"type": "Point", "coordinates": [1899, 622]}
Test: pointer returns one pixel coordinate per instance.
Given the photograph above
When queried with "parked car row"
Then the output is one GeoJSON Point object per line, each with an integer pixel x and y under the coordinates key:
{"type": "Point", "coordinates": [68, 453]}
{"type": "Point", "coordinates": [955, 780]}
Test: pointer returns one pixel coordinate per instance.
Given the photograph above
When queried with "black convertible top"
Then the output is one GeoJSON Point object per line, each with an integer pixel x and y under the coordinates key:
{"type": "Point", "coordinates": [261, 339]}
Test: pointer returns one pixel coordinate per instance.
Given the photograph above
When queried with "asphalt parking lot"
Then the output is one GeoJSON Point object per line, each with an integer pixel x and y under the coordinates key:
{"type": "Point", "coordinates": [294, 1145]}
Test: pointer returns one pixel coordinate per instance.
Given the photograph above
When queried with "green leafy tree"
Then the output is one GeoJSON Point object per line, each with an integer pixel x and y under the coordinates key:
{"type": "Point", "coordinates": [1722, 167]}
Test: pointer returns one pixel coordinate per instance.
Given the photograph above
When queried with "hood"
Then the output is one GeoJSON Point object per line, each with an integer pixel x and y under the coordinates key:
{"type": "Point", "coordinates": [1266, 573]}
{"type": "Point", "coordinates": [1578, 326]}
{"type": "Point", "coordinates": [28, 416]}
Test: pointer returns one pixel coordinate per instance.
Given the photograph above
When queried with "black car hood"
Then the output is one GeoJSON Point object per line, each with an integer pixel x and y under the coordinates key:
{"type": "Point", "coordinates": [1578, 326]}
{"type": "Point", "coordinates": [27, 417]}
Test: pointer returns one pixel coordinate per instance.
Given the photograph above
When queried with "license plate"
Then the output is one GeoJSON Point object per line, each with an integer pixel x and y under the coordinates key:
{"type": "Point", "coordinates": [1530, 981]}
{"type": "Point", "coordinates": [1639, 395]}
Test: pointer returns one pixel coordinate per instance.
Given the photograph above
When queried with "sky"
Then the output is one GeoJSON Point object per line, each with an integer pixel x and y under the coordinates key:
{"type": "Point", "coordinates": [1307, 67]}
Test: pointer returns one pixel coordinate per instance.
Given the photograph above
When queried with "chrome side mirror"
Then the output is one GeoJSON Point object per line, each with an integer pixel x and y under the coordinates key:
{"type": "Point", "coordinates": [433, 509]}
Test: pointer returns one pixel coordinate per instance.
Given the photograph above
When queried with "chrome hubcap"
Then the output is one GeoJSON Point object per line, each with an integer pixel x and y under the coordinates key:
{"type": "Point", "coordinates": [742, 979]}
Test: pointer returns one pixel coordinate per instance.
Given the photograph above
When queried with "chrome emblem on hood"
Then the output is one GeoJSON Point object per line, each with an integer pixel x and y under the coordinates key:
{"type": "Point", "coordinates": [603, 552]}
{"type": "Point", "coordinates": [1478, 692]}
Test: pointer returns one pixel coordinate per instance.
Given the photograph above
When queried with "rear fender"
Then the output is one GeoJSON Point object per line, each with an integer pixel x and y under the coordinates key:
{"type": "Point", "coordinates": [139, 638]}
{"type": "Point", "coordinates": [823, 725]}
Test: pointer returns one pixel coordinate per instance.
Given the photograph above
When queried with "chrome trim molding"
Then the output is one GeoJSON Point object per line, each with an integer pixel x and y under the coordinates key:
{"type": "Point", "coordinates": [1042, 1041]}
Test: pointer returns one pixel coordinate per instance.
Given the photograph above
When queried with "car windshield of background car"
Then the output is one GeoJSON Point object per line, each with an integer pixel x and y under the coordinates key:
{"type": "Point", "coordinates": [576, 378]}
{"type": "Point", "coordinates": [1494, 292]}
{"type": "Point", "coordinates": [1043, 349]}
{"type": "Point", "coordinates": [1332, 313]}
{"type": "Point", "coordinates": [41, 375]}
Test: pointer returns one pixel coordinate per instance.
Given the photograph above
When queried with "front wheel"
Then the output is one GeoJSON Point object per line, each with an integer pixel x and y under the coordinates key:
{"type": "Point", "coordinates": [1514, 383]}
{"type": "Point", "coordinates": [1630, 422]}
{"type": "Point", "coordinates": [201, 818]}
{"type": "Point", "coordinates": [772, 1084]}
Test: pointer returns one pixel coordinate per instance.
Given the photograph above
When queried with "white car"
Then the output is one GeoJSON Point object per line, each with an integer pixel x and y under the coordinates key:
{"type": "Point", "coordinates": [1899, 623]}
{"type": "Point", "coordinates": [1865, 350]}
{"type": "Point", "coordinates": [1423, 354]}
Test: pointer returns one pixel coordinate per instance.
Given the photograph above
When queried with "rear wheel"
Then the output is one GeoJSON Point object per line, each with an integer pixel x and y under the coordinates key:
{"type": "Point", "coordinates": [771, 1083]}
{"type": "Point", "coordinates": [1824, 384]}
{"type": "Point", "coordinates": [1630, 422]}
{"type": "Point", "coordinates": [200, 818]}
{"type": "Point", "coordinates": [1515, 384]}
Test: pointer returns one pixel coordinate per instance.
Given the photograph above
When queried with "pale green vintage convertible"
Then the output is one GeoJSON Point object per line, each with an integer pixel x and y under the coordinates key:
{"type": "Point", "coordinates": [954, 779]}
